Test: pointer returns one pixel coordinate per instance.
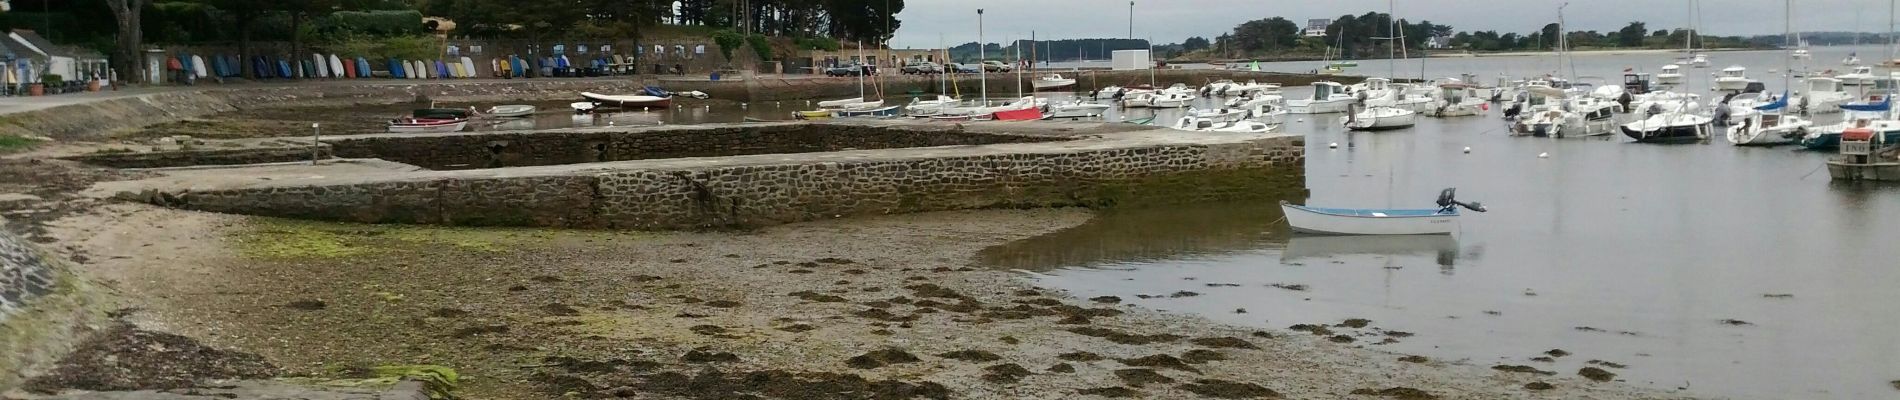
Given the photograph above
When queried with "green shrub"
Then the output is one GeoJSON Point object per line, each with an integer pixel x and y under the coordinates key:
{"type": "Point", "coordinates": [817, 43]}
{"type": "Point", "coordinates": [401, 47]}
{"type": "Point", "coordinates": [727, 41]}
{"type": "Point", "coordinates": [15, 143]}
{"type": "Point", "coordinates": [52, 79]}
{"type": "Point", "coordinates": [376, 23]}
{"type": "Point", "coordinates": [760, 46]}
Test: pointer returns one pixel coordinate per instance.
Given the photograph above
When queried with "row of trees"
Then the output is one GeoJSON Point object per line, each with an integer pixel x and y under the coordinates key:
{"type": "Point", "coordinates": [122, 27]}
{"type": "Point", "coordinates": [1367, 36]}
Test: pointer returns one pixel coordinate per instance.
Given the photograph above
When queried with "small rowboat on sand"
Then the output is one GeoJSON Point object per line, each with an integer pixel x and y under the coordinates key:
{"type": "Point", "coordinates": [426, 125]}
{"type": "Point", "coordinates": [510, 111]}
{"type": "Point", "coordinates": [1353, 221]}
{"type": "Point", "coordinates": [817, 114]}
{"type": "Point", "coordinates": [628, 101]}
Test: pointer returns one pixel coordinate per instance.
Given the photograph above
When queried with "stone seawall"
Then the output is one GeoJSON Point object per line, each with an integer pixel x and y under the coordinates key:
{"type": "Point", "coordinates": [42, 310]}
{"type": "Point", "coordinates": [771, 189]}
{"type": "Point", "coordinates": [519, 149]}
{"type": "Point", "coordinates": [24, 276]}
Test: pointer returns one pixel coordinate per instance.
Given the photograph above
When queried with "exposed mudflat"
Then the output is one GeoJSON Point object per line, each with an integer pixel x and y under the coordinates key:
{"type": "Point", "coordinates": [884, 308]}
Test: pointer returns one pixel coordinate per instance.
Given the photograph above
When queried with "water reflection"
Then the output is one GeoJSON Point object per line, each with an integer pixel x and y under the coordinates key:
{"type": "Point", "coordinates": [1146, 234]}
{"type": "Point", "coordinates": [1305, 248]}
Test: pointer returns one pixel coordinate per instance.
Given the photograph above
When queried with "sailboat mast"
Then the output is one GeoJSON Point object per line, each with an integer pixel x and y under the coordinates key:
{"type": "Point", "coordinates": [1787, 63]}
{"type": "Point", "coordinates": [861, 71]}
{"type": "Point", "coordinates": [1391, 44]}
{"type": "Point", "coordinates": [943, 77]}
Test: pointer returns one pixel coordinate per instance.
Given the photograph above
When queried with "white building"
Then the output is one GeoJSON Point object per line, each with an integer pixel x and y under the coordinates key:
{"type": "Point", "coordinates": [1123, 60]}
{"type": "Point", "coordinates": [1316, 27]}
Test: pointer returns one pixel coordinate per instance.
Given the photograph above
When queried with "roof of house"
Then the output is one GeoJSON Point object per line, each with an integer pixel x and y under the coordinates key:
{"type": "Point", "coordinates": [34, 43]}
{"type": "Point", "coordinates": [11, 49]}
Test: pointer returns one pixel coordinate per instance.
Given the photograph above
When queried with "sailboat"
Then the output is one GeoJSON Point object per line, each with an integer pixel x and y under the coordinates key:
{"type": "Point", "coordinates": [1387, 115]}
{"type": "Point", "coordinates": [1696, 59]}
{"type": "Point", "coordinates": [855, 103]}
{"type": "Point", "coordinates": [1762, 128]}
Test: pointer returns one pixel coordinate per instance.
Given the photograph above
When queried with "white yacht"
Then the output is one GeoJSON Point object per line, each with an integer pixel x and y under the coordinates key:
{"type": "Point", "coordinates": [1671, 75]}
{"type": "Point", "coordinates": [1328, 98]}
{"type": "Point", "coordinates": [1824, 96]}
{"type": "Point", "coordinates": [1379, 118]}
{"type": "Point", "coordinates": [1861, 75]}
{"type": "Point", "coordinates": [1699, 61]}
{"type": "Point", "coordinates": [1456, 100]}
{"type": "Point", "coordinates": [1733, 78]}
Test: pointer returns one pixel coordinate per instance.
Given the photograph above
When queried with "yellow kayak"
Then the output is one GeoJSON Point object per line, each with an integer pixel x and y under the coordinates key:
{"type": "Point", "coordinates": [811, 114]}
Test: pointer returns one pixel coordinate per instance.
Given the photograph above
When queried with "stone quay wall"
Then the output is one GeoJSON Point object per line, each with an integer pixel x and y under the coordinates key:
{"type": "Point", "coordinates": [520, 149]}
{"type": "Point", "coordinates": [198, 157]}
{"type": "Point", "coordinates": [24, 276]}
{"type": "Point", "coordinates": [758, 194]}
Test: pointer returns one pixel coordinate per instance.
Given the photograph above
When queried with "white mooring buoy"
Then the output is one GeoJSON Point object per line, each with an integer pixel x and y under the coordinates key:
{"type": "Point", "coordinates": [1333, 145]}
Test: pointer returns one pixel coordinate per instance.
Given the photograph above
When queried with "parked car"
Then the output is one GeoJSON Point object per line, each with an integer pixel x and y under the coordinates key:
{"type": "Point", "coordinates": [957, 68]}
{"type": "Point", "coordinates": [850, 70]}
{"type": "Point", "coordinates": [923, 68]}
{"type": "Point", "coordinates": [997, 66]}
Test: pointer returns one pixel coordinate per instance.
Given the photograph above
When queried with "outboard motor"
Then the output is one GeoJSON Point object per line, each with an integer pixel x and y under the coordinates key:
{"type": "Point", "coordinates": [1447, 200]}
{"type": "Point", "coordinates": [1721, 114]}
{"type": "Point", "coordinates": [1510, 113]}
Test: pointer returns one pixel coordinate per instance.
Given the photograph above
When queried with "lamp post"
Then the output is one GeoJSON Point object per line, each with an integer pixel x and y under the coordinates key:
{"type": "Point", "coordinates": [1131, 20]}
{"type": "Point", "coordinates": [982, 71]}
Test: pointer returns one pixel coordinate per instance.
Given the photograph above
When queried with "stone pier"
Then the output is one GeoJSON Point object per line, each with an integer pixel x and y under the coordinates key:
{"type": "Point", "coordinates": [744, 175]}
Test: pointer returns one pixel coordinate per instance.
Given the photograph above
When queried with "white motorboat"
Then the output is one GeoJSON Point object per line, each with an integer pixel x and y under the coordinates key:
{"type": "Point", "coordinates": [1671, 75]}
{"type": "Point", "coordinates": [1351, 221]}
{"type": "Point", "coordinates": [1224, 115]}
{"type": "Point", "coordinates": [919, 107]}
{"type": "Point", "coordinates": [1655, 102]}
{"type": "Point", "coordinates": [1699, 61]}
{"type": "Point", "coordinates": [1328, 98]}
{"type": "Point", "coordinates": [1860, 76]}
{"type": "Point", "coordinates": [1824, 96]}
{"type": "Point", "coordinates": [1456, 100]}
{"type": "Point", "coordinates": [1051, 81]}
{"type": "Point", "coordinates": [1267, 108]}
{"type": "Point", "coordinates": [1203, 124]}
{"type": "Point", "coordinates": [1163, 99]}
{"type": "Point", "coordinates": [1401, 96]}
{"type": "Point", "coordinates": [1740, 106]}
{"type": "Point", "coordinates": [1380, 118]}
{"type": "Point", "coordinates": [427, 125]}
{"type": "Point", "coordinates": [1541, 110]}
{"type": "Point", "coordinates": [1121, 93]}
{"type": "Point", "coordinates": [1251, 87]}
{"type": "Point", "coordinates": [510, 111]}
{"type": "Point", "coordinates": [1218, 88]}
{"type": "Point", "coordinates": [1024, 103]}
{"type": "Point", "coordinates": [1733, 78]}
{"type": "Point", "coordinates": [1765, 129]}
{"type": "Point", "coordinates": [1077, 110]}
{"type": "Point", "coordinates": [1179, 88]}
{"type": "Point", "coordinates": [1677, 124]}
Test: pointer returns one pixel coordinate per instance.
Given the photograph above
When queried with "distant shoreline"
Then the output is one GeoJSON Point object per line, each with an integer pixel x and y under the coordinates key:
{"type": "Point", "coordinates": [1457, 54]}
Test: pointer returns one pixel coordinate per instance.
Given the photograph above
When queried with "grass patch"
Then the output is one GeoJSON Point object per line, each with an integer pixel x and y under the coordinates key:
{"type": "Point", "coordinates": [11, 143]}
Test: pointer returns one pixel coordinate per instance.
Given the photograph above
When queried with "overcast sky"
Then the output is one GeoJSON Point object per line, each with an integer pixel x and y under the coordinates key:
{"type": "Point", "coordinates": [1170, 21]}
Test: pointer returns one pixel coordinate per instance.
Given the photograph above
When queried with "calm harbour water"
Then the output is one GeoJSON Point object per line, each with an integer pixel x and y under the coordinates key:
{"type": "Point", "coordinates": [1615, 251]}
